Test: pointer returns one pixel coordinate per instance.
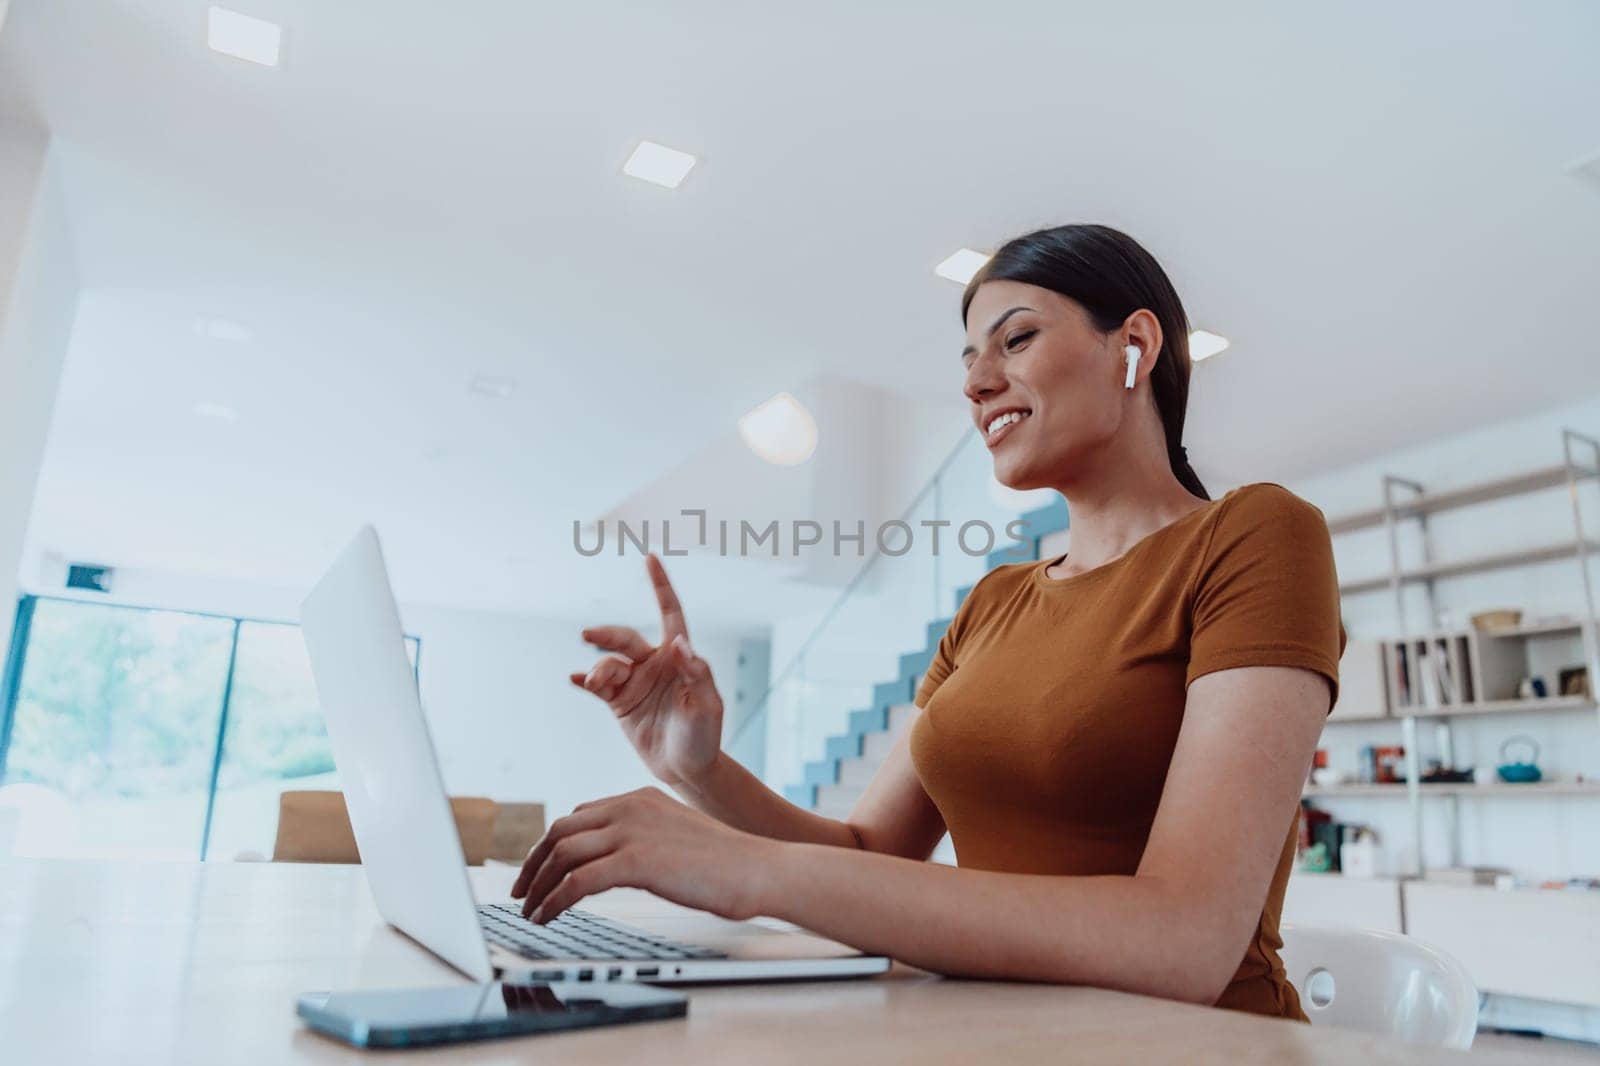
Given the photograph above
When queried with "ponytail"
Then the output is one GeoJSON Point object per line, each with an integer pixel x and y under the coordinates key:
{"type": "Point", "coordinates": [1185, 473]}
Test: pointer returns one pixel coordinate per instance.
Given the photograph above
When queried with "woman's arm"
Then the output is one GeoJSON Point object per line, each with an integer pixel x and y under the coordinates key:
{"type": "Point", "coordinates": [894, 815]}
{"type": "Point", "coordinates": [1178, 927]}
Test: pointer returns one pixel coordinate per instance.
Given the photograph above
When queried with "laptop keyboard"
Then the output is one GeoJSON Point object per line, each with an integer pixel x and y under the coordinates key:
{"type": "Point", "coordinates": [577, 934]}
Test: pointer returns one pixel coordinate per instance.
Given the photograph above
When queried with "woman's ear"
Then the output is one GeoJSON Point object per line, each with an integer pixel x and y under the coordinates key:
{"type": "Point", "coordinates": [1143, 330]}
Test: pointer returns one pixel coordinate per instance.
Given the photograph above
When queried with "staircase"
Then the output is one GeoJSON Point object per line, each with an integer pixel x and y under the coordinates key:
{"type": "Point", "coordinates": [833, 783]}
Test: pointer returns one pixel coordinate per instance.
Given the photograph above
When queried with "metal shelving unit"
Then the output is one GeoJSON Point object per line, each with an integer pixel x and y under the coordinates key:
{"type": "Point", "coordinates": [1408, 501]}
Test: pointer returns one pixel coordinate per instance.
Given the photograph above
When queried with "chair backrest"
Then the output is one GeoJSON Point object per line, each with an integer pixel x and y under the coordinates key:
{"type": "Point", "coordinates": [314, 826]}
{"type": "Point", "coordinates": [517, 828]}
{"type": "Point", "coordinates": [1380, 982]}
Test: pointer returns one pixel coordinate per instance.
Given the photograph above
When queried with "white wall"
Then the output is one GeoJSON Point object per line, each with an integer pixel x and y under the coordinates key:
{"type": "Point", "coordinates": [507, 722]}
{"type": "Point", "coordinates": [1543, 837]}
{"type": "Point", "coordinates": [38, 294]}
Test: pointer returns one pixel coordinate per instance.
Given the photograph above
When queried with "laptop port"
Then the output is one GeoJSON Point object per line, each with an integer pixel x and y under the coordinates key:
{"type": "Point", "coordinates": [647, 971]}
{"type": "Point", "coordinates": [586, 975]}
{"type": "Point", "coordinates": [613, 973]}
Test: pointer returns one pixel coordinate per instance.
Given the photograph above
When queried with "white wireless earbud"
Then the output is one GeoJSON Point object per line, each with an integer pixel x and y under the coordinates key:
{"type": "Point", "coordinates": [1133, 353]}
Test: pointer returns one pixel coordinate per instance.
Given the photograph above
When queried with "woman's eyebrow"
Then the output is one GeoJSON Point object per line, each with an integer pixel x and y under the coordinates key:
{"type": "Point", "coordinates": [996, 324]}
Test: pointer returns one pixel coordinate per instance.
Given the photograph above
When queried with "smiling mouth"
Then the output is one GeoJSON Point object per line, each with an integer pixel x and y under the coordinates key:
{"type": "Point", "coordinates": [1000, 425]}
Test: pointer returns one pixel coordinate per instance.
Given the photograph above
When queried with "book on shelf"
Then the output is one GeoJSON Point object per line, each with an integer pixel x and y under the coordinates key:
{"type": "Point", "coordinates": [1402, 679]}
{"type": "Point", "coordinates": [1425, 676]}
{"type": "Point", "coordinates": [1428, 676]}
{"type": "Point", "coordinates": [1439, 661]}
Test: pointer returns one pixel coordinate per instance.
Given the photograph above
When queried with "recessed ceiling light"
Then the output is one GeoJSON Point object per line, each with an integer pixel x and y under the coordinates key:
{"type": "Point", "coordinates": [781, 431]}
{"type": "Point", "coordinates": [222, 329]}
{"type": "Point", "coordinates": [243, 36]}
{"type": "Point", "coordinates": [220, 411]}
{"type": "Point", "coordinates": [499, 388]}
{"type": "Point", "coordinates": [1203, 344]}
{"type": "Point", "coordinates": [659, 164]}
{"type": "Point", "coordinates": [960, 266]}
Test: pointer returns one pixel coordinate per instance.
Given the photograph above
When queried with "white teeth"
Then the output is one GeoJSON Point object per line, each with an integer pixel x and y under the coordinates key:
{"type": "Point", "coordinates": [1003, 421]}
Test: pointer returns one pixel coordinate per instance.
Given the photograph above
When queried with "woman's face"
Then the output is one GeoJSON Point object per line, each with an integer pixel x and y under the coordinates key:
{"type": "Point", "coordinates": [1034, 357]}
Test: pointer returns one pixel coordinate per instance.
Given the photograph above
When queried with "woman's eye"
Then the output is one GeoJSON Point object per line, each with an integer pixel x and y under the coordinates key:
{"type": "Point", "coordinates": [1017, 339]}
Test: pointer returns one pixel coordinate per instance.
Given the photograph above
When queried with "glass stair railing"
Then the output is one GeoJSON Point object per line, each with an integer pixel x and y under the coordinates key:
{"type": "Point", "coordinates": [832, 713]}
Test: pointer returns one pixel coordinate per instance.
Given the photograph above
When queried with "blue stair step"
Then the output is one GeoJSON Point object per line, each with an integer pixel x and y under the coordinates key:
{"type": "Point", "coordinates": [914, 664]}
{"type": "Point", "coordinates": [825, 772]}
{"type": "Point", "coordinates": [936, 630]}
{"type": "Point", "coordinates": [871, 720]}
{"type": "Point", "coordinates": [1052, 518]}
{"type": "Point", "coordinates": [801, 795]}
{"type": "Point", "coordinates": [961, 593]}
{"type": "Point", "coordinates": [890, 693]}
{"type": "Point", "coordinates": [845, 747]}
{"type": "Point", "coordinates": [1018, 552]}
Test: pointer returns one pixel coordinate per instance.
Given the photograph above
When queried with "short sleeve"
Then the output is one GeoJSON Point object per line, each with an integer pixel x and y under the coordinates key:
{"type": "Point", "coordinates": [944, 654]}
{"type": "Point", "coordinates": [939, 669]}
{"type": "Point", "coordinates": [1267, 593]}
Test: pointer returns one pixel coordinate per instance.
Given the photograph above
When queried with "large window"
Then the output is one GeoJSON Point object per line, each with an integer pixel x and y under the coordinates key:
{"type": "Point", "coordinates": [156, 734]}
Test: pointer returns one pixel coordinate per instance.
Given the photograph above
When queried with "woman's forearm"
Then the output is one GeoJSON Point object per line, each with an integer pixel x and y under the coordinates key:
{"type": "Point", "coordinates": [734, 796]}
{"type": "Point", "coordinates": [1134, 933]}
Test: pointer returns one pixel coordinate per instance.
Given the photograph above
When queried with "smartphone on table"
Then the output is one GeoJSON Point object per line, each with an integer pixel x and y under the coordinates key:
{"type": "Point", "coordinates": [411, 1017]}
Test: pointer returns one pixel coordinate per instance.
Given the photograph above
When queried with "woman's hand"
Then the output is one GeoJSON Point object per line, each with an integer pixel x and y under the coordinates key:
{"type": "Point", "coordinates": [645, 839]}
{"type": "Point", "coordinates": [663, 696]}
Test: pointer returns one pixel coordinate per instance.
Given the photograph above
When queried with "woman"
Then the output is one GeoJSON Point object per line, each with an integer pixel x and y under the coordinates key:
{"type": "Point", "coordinates": [1115, 738]}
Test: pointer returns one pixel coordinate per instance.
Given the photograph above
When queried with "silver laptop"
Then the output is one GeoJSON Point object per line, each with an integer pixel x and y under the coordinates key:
{"type": "Point", "coordinates": [412, 853]}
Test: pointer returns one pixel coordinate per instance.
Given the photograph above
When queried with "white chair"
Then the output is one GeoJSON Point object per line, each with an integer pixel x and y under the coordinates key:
{"type": "Point", "coordinates": [1379, 982]}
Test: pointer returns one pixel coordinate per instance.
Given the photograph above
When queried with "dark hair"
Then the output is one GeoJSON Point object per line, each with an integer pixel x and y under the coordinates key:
{"type": "Point", "coordinates": [1111, 276]}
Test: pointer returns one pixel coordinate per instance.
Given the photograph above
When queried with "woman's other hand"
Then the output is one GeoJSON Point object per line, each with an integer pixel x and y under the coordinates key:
{"type": "Point", "coordinates": [662, 695]}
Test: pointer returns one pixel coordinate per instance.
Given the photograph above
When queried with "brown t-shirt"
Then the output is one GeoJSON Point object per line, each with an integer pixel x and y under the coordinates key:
{"type": "Point", "coordinates": [1052, 707]}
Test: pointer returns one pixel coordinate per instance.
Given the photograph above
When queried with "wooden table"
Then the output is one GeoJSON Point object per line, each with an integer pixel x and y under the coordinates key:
{"type": "Point", "coordinates": [115, 962]}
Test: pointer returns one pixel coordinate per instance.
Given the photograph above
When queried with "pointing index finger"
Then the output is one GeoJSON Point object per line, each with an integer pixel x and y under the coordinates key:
{"type": "Point", "coordinates": [672, 623]}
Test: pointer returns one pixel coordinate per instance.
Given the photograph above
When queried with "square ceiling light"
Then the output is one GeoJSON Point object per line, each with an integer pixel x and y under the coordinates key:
{"type": "Point", "coordinates": [961, 265]}
{"type": "Point", "coordinates": [222, 329]}
{"type": "Point", "coordinates": [219, 411]}
{"type": "Point", "coordinates": [243, 36]}
{"type": "Point", "coordinates": [1203, 344]}
{"type": "Point", "coordinates": [658, 164]}
{"type": "Point", "coordinates": [495, 387]}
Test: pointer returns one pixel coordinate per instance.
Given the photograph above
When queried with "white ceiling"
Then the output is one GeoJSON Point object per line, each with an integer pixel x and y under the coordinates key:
{"type": "Point", "coordinates": [1372, 200]}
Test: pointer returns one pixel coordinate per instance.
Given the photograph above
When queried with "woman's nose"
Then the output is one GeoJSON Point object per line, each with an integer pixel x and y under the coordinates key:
{"type": "Point", "coordinates": [983, 380]}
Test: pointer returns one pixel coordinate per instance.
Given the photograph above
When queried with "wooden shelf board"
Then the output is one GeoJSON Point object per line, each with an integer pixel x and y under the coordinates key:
{"type": "Point", "coordinates": [1535, 629]}
{"type": "Point", "coordinates": [1312, 791]}
{"type": "Point", "coordinates": [1356, 520]}
{"type": "Point", "coordinates": [1575, 626]}
{"type": "Point", "coordinates": [1498, 561]}
{"type": "Point", "coordinates": [1553, 703]}
{"type": "Point", "coordinates": [1335, 875]}
{"type": "Point", "coordinates": [1538, 788]}
{"type": "Point", "coordinates": [1550, 477]}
